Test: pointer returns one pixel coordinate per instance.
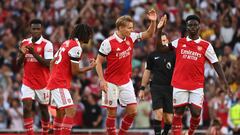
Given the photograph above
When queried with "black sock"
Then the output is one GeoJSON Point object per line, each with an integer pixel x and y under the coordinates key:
{"type": "Point", "coordinates": [157, 126]}
{"type": "Point", "coordinates": [167, 127]}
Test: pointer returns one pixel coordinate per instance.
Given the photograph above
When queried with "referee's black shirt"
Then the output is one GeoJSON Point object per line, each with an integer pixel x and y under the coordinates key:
{"type": "Point", "coordinates": [161, 65]}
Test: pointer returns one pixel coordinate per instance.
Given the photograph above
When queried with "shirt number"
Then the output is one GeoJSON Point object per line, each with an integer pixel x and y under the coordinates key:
{"type": "Point", "coordinates": [59, 55]}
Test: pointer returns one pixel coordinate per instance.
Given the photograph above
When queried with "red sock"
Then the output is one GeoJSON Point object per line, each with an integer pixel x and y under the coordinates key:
{"type": "Point", "coordinates": [194, 122]}
{"type": "Point", "coordinates": [45, 127]}
{"type": "Point", "coordinates": [57, 126]}
{"type": "Point", "coordinates": [126, 123]}
{"type": "Point", "coordinates": [67, 125]}
{"type": "Point", "coordinates": [110, 125]}
{"type": "Point", "coordinates": [177, 125]}
{"type": "Point", "coordinates": [28, 125]}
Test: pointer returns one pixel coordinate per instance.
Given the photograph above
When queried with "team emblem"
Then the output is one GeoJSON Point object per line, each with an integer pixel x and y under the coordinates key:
{"type": "Point", "coordinates": [39, 49]}
{"type": "Point", "coordinates": [199, 48]}
{"type": "Point", "coordinates": [168, 65]}
{"type": "Point", "coordinates": [127, 42]}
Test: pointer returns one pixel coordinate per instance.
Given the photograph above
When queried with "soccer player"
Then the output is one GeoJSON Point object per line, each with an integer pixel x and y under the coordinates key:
{"type": "Point", "coordinates": [64, 65]}
{"type": "Point", "coordinates": [160, 65]}
{"type": "Point", "coordinates": [188, 76]}
{"type": "Point", "coordinates": [116, 83]}
{"type": "Point", "coordinates": [35, 53]}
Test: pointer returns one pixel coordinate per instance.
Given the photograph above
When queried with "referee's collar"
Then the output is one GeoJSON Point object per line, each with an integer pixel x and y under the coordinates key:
{"type": "Point", "coordinates": [196, 41]}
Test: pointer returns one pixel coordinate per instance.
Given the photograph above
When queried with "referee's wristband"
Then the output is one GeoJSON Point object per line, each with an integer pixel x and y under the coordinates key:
{"type": "Point", "coordinates": [142, 88]}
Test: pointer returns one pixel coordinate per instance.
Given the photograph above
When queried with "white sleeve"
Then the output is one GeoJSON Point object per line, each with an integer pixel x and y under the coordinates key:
{"type": "Point", "coordinates": [105, 47]}
{"type": "Point", "coordinates": [75, 54]}
{"type": "Point", "coordinates": [48, 51]}
{"type": "Point", "coordinates": [211, 55]}
{"type": "Point", "coordinates": [134, 36]}
{"type": "Point", "coordinates": [175, 43]}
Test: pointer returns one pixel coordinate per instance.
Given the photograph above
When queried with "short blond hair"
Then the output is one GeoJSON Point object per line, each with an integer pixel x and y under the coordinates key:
{"type": "Point", "coordinates": [123, 21]}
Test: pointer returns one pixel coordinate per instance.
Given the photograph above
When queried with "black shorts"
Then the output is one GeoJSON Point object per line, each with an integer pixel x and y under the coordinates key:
{"type": "Point", "coordinates": [162, 98]}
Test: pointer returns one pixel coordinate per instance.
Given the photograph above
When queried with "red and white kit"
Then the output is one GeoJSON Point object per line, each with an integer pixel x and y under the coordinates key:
{"type": "Point", "coordinates": [61, 75]}
{"type": "Point", "coordinates": [118, 53]}
{"type": "Point", "coordinates": [35, 75]}
{"type": "Point", "coordinates": [188, 76]}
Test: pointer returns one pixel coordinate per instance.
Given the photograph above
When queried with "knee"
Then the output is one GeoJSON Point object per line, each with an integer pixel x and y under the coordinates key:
{"type": "Point", "coordinates": [196, 113]}
{"type": "Point", "coordinates": [112, 112]}
{"type": "Point", "coordinates": [70, 112]}
{"type": "Point", "coordinates": [168, 119]}
{"type": "Point", "coordinates": [179, 110]}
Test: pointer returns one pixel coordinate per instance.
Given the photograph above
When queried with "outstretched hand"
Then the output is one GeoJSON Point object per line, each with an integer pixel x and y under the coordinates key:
{"type": "Point", "coordinates": [162, 22]}
{"type": "Point", "coordinates": [93, 63]}
{"type": "Point", "coordinates": [152, 15]}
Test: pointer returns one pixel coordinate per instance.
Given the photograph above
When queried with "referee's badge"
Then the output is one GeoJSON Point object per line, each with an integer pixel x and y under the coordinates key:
{"type": "Point", "coordinates": [169, 65]}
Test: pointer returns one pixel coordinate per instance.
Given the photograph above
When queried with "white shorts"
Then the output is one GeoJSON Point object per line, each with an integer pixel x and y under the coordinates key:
{"type": "Point", "coordinates": [183, 97]}
{"type": "Point", "coordinates": [61, 98]}
{"type": "Point", "coordinates": [124, 93]}
{"type": "Point", "coordinates": [41, 95]}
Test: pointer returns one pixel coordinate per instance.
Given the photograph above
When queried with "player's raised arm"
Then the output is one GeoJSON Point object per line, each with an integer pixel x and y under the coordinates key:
{"type": "Point", "coordinates": [152, 16]}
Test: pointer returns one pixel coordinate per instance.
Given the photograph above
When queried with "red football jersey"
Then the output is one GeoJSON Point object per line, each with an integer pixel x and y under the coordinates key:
{"type": "Point", "coordinates": [191, 56]}
{"type": "Point", "coordinates": [118, 53]}
{"type": "Point", "coordinates": [61, 74]}
{"type": "Point", "coordinates": [36, 75]}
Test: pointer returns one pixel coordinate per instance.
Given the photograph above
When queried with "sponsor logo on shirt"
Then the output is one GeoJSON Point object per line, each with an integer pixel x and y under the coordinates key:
{"type": "Point", "coordinates": [118, 49]}
{"type": "Point", "coordinates": [192, 55]}
{"type": "Point", "coordinates": [184, 45]}
{"type": "Point", "coordinates": [155, 58]}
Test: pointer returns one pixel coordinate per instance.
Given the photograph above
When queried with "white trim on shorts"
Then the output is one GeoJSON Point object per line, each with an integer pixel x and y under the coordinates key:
{"type": "Point", "coordinates": [61, 98]}
{"type": "Point", "coordinates": [124, 93]}
{"type": "Point", "coordinates": [41, 95]}
{"type": "Point", "coordinates": [182, 97]}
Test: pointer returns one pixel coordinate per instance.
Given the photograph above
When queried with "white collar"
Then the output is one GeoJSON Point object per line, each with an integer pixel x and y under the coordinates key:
{"type": "Point", "coordinates": [120, 40]}
{"type": "Point", "coordinates": [39, 41]}
{"type": "Point", "coordinates": [196, 41]}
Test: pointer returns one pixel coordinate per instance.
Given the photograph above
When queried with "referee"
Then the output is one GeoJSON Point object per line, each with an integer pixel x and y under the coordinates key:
{"type": "Point", "coordinates": [160, 64]}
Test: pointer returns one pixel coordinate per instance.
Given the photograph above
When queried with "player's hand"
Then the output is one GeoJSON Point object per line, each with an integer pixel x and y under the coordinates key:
{"type": "Point", "coordinates": [104, 86]}
{"type": "Point", "coordinates": [30, 49]}
{"type": "Point", "coordinates": [162, 22]}
{"type": "Point", "coordinates": [141, 94]}
{"type": "Point", "coordinates": [93, 63]}
{"type": "Point", "coordinates": [152, 15]}
{"type": "Point", "coordinates": [23, 49]}
{"type": "Point", "coordinates": [229, 91]}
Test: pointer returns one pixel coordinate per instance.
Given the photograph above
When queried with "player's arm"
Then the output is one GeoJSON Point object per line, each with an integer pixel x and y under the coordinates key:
{"type": "Point", "coordinates": [21, 55]}
{"type": "Point", "coordinates": [48, 50]}
{"type": "Point", "coordinates": [104, 50]}
{"type": "Point", "coordinates": [221, 75]}
{"type": "Point", "coordinates": [78, 70]}
{"type": "Point", "coordinates": [152, 16]}
{"type": "Point", "coordinates": [211, 56]}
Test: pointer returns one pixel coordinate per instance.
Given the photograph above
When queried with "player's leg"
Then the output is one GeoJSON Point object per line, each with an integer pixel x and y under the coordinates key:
{"type": "Point", "coordinates": [111, 120]}
{"type": "Point", "coordinates": [28, 96]}
{"type": "Point", "coordinates": [43, 99]}
{"type": "Point", "coordinates": [157, 106]}
{"type": "Point", "coordinates": [196, 100]}
{"type": "Point", "coordinates": [127, 98]}
{"type": "Point", "coordinates": [167, 109]}
{"type": "Point", "coordinates": [109, 100]}
{"type": "Point", "coordinates": [65, 112]}
{"type": "Point", "coordinates": [180, 101]}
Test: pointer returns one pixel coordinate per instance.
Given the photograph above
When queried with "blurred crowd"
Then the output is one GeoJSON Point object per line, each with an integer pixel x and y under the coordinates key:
{"type": "Point", "coordinates": [220, 25]}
